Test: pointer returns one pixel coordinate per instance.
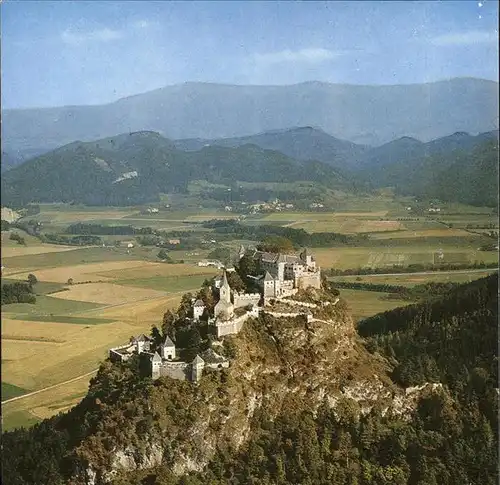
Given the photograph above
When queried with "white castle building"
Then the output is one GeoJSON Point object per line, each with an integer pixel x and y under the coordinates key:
{"type": "Point", "coordinates": [282, 276]}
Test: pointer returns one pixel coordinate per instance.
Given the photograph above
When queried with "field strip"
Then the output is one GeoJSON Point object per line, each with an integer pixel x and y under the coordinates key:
{"type": "Point", "coordinates": [50, 387]}
{"type": "Point", "coordinates": [302, 221]}
{"type": "Point", "coordinates": [102, 308]}
{"type": "Point", "coordinates": [44, 340]}
{"type": "Point", "coordinates": [424, 273]}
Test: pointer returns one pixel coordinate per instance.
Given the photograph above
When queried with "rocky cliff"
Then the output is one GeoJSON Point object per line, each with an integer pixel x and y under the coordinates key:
{"type": "Point", "coordinates": [280, 365]}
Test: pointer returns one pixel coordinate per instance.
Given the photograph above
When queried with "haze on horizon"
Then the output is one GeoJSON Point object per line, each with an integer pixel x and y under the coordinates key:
{"type": "Point", "coordinates": [97, 52]}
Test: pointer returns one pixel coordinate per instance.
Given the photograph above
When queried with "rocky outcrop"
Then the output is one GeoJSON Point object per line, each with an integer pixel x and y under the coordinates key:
{"type": "Point", "coordinates": [280, 364]}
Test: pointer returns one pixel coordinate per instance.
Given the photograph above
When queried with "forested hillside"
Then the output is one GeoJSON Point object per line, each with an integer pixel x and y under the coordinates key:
{"type": "Point", "coordinates": [344, 421]}
{"type": "Point", "coordinates": [138, 167]}
{"type": "Point", "coordinates": [463, 171]}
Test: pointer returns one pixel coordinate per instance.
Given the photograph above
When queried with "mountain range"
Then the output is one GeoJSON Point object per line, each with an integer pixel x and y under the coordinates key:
{"type": "Point", "coordinates": [135, 168]}
{"type": "Point", "coordinates": [367, 115]}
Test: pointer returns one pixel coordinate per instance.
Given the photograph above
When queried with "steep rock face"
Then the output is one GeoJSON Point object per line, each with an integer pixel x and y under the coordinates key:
{"type": "Point", "coordinates": [280, 364]}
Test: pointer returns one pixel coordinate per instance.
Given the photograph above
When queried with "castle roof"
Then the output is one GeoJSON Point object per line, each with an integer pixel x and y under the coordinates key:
{"type": "Point", "coordinates": [268, 277]}
{"type": "Point", "coordinates": [168, 342]}
{"type": "Point", "coordinates": [199, 303]}
{"type": "Point", "coordinates": [305, 253]}
{"type": "Point", "coordinates": [141, 338]}
{"type": "Point", "coordinates": [198, 360]}
{"type": "Point", "coordinates": [156, 357]}
{"type": "Point", "coordinates": [224, 280]}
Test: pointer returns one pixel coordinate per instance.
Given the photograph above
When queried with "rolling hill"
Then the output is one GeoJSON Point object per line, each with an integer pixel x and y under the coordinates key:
{"type": "Point", "coordinates": [362, 114]}
{"type": "Point", "coordinates": [458, 168]}
{"type": "Point", "coordinates": [302, 143]}
{"type": "Point", "coordinates": [135, 168]}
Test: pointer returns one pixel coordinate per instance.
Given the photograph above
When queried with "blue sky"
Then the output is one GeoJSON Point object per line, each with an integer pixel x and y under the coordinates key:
{"type": "Point", "coordinates": [60, 53]}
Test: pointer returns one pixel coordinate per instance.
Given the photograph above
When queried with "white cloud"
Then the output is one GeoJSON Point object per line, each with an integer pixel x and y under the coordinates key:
{"type": "Point", "coordinates": [311, 56]}
{"type": "Point", "coordinates": [100, 35]}
{"type": "Point", "coordinates": [472, 37]}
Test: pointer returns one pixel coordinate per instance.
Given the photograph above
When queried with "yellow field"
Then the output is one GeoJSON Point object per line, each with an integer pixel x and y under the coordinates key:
{"type": "Point", "coordinates": [347, 258]}
{"type": "Point", "coordinates": [79, 272]}
{"type": "Point", "coordinates": [45, 404]}
{"type": "Point", "coordinates": [340, 222]}
{"type": "Point", "coordinates": [444, 232]}
{"type": "Point", "coordinates": [27, 363]}
{"type": "Point", "coordinates": [322, 216]}
{"type": "Point", "coordinates": [207, 217]}
{"type": "Point", "coordinates": [107, 293]}
{"type": "Point", "coordinates": [58, 216]}
{"type": "Point", "coordinates": [8, 251]}
{"type": "Point", "coordinates": [148, 269]}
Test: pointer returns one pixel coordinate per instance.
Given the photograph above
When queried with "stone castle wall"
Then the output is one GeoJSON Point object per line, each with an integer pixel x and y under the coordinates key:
{"type": "Point", "coordinates": [176, 370]}
{"type": "Point", "coordinates": [244, 299]}
{"type": "Point", "coordinates": [309, 279]}
{"type": "Point", "coordinates": [234, 325]}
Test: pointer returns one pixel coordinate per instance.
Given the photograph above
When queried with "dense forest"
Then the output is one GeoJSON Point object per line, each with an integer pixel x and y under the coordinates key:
{"type": "Point", "coordinates": [450, 437]}
{"type": "Point", "coordinates": [299, 237]}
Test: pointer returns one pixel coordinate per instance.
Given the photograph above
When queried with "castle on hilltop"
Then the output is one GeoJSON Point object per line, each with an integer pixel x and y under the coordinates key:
{"type": "Point", "coordinates": [281, 276]}
{"type": "Point", "coordinates": [285, 274]}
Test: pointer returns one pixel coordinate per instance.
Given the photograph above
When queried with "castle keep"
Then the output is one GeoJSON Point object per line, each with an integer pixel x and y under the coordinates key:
{"type": "Point", "coordinates": [282, 276]}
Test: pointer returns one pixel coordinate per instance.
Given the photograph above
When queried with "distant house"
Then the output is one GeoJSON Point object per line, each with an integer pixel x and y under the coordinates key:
{"type": "Point", "coordinates": [130, 245]}
{"type": "Point", "coordinates": [174, 241]}
{"type": "Point", "coordinates": [434, 209]}
{"type": "Point", "coordinates": [228, 208]}
{"type": "Point", "coordinates": [206, 263]}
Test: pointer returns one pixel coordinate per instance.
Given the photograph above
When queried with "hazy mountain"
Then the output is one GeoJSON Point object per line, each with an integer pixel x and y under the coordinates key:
{"type": "Point", "coordinates": [302, 143]}
{"type": "Point", "coordinates": [405, 149]}
{"type": "Point", "coordinates": [460, 167]}
{"type": "Point", "coordinates": [362, 114]}
{"type": "Point", "coordinates": [137, 167]}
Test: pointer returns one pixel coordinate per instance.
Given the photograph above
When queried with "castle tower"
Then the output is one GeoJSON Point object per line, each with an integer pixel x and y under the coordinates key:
{"type": "Point", "coordinates": [269, 286]}
{"type": "Point", "coordinates": [198, 309]}
{"type": "Point", "coordinates": [224, 308]}
{"type": "Point", "coordinates": [307, 258]}
{"type": "Point", "coordinates": [225, 289]}
{"type": "Point", "coordinates": [167, 349]}
{"type": "Point", "coordinates": [155, 365]}
{"type": "Point", "coordinates": [197, 368]}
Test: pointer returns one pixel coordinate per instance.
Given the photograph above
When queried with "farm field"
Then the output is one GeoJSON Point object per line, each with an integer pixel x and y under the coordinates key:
{"type": "Point", "coordinates": [379, 257]}
{"type": "Point", "coordinates": [107, 293]}
{"type": "Point", "coordinates": [409, 279]}
{"type": "Point", "coordinates": [39, 353]}
{"type": "Point", "coordinates": [349, 225]}
{"type": "Point", "coordinates": [415, 233]}
{"type": "Point", "coordinates": [363, 304]}
{"type": "Point", "coordinates": [68, 333]}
